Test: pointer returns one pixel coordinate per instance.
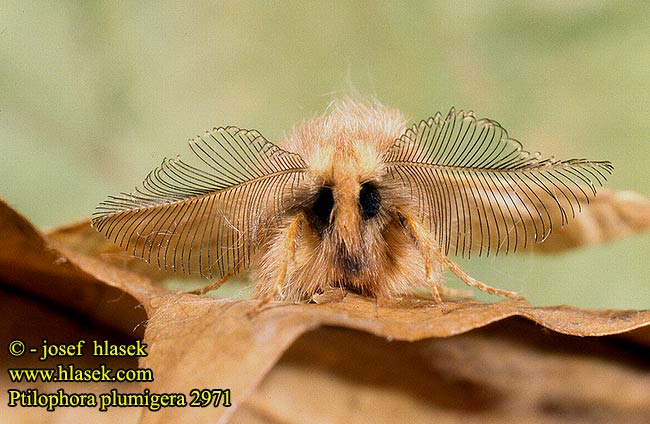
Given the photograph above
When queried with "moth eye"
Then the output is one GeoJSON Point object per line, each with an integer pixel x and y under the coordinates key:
{"type": "Point", "coordinates": [323, 205]}
{"type": "Point", "coordinates": [369, 200]}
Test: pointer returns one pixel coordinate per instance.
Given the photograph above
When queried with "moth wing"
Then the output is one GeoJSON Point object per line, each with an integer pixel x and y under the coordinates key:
{"type": "Point", "coordinates": [210, 218]}
{"type": "Point", "coordinates": [479, 191]}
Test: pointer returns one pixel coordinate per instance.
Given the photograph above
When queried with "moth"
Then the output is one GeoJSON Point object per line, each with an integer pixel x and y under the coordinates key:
{"type": "Point", "coordinates": [353, 199]}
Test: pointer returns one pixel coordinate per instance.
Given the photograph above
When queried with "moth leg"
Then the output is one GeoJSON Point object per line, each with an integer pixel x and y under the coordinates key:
{"type": "Point", "coordinates": [421, 238]}
{"type": "Point", "coordinates": [289, 257]}
{"type": "Point", "coordinates": [472, 282]}
{"type": "Point", "coordinates": [423, 242]}
{"type": "Point", "coordinates": [212, 286]}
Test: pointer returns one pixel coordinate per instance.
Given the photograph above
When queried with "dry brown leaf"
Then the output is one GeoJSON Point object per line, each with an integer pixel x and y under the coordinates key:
{"type": "Point", "coordinates": [490, 375]}
{"type": "Point", "coordinates": [31, 320]}
{"type": "Point", "coordinates": [201, 342]}
{"type": "Point", "coordinates": [219, 345]}
{"type": "Point", "coordinates": [29, 263]}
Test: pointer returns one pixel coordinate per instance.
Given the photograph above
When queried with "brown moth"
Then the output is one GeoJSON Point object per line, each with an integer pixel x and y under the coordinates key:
{"type": "Point", "coordinates": [352, 199]}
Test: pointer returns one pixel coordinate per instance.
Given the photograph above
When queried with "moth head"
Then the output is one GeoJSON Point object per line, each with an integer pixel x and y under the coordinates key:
{"type": "Point", "coordinates": [346, 206]}
{"type": "Point", "coordinates": [346, 209]}
{"type": "Point", "coordinates": [346, 222]}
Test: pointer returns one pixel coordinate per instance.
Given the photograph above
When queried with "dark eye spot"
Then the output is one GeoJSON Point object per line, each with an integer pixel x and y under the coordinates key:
{"type": "Point", "coordinates": [322, 207]}
{"type": "Point", "coordinates": [369, 200]}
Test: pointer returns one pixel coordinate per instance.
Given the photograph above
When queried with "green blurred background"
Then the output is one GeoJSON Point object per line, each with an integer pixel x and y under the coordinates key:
{"type": "Point", "coordinates": [94, 94]}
